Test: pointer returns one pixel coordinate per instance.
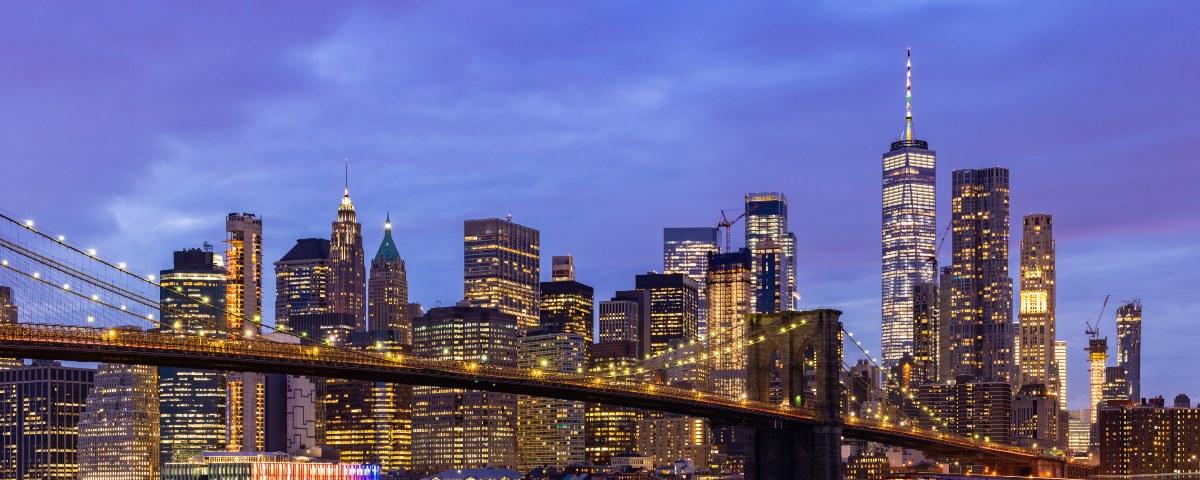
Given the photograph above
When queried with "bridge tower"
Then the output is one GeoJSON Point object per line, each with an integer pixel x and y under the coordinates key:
{"type": "Point", "coordinates": [803, 368]}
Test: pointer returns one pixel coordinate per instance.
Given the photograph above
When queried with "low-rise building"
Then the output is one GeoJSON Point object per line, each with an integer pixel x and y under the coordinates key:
{"type": "Point", "coordinates": [259, 465]}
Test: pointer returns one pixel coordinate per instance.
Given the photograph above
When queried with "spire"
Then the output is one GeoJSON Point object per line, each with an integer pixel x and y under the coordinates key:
{"type": "Point", "coordinates": [346, 204]}
{"type": "Point", "coordinates": [387, 248]}
{"type": "Point", "coordinates": [908, 121]}
{"type": "Point", "coordinates": [387, 224]}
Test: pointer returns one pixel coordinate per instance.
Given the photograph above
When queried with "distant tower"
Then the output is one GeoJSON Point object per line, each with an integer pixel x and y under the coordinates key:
{"type": "Point", "coordinates": [686, 251]}
{"type": "Point", "coordinates": [388, 288]}
{"type": "Point", "coordinates": [1038, 285]}
{"type": "Point", "coordinates": [347, 264]}
{"type": "Point", "coordinates": [302, 281]}
{"type": "Point", "coordinates": [767, 230]}
{"type": "Point", "coordinates": [501, 268]}
{"type": "Point", "coordinates": [567, 305]}
{"type": "Point", "coordinates": [1129, 345]}
{"type": "Point", "coordinates": [980, 315]}
{"type": "Point", "coordinates": [1097, 357]}
{"type": "Point", "coordinates": [909, 230]}
{"type": "Point", "coordinates": [118, 430]}
{"type": "Point", "coordinates": [243, 298]}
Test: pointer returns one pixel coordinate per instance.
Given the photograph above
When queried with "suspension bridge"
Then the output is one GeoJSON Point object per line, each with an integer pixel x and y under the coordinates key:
{"type": "Point", "coordinates": [73, 304]}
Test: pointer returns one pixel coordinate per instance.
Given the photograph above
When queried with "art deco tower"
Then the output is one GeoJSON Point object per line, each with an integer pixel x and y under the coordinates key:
{"type": "Point", "coordinates": [1037, 362]}
{"type": "Point", "coordinates": [388, 288]}
{"type": "Point", "coordinates": [347, 264]}
{"type": "Point", "coordinates": [909, 230]}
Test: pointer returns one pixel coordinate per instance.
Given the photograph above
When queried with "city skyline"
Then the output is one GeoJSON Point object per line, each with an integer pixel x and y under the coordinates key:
{"type": "Point", "coordinates": [1103, 247]}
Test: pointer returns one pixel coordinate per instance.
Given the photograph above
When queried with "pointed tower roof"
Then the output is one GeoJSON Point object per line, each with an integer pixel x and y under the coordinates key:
{"type": "Point", "coordinates": [387, 248]}
{"type": "Point", "coordinates": [908, 117]}
{"type": "Point", "coordinates": [346, 203]}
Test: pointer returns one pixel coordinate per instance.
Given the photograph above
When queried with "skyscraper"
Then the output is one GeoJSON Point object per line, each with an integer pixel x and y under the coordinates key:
{"type": "Point", "coordinates": [502, 268]}
{"type": "Point", "coordinates": [457, 428]}
{"type": "Point", "coordinates": [980, 322]}
{"type": "Point", "coordinates": [766, 229]}
{"type": "Point", "coordinates": [388, 288]}
{"type": "Point", "coordinates": [673, 308]}
{"type": "Point", "coordinates": [686, 251]}
{"type": "Point", "coordinates": [370, 422]}
{"type": "Point", "coordinates": [730, 296]}
{"type": "Point", "coordinates": [610, 430]}
{"type": "Point", "coordinates": [1037, 303]}
{"type": "Point", "coordinates": [243, 298]}
{"type": "Point", "coordinates": [925, 332]}
{"type": "Point", "coordinates": [192, 404]}
{"type": "Point", "coordinates": [909, 229]}
{"type": "Point", "coordinates": [626, 318]}
{"type": "Point", "coordinates": [567, 305]}
{"type": "Point", "coordinates": [1060, 365]}
{"type": "Point", "coordinates": [302, 281]}
{"type": "Point", "coordinates": [118, 430]}
{"type": "Point", "coordinates": [1097, 358]}
{"type": "Point", "coordinates": [550, 431]}
{"type": "Point", "coordinates": [8, 316]}
{"type": "Point", "coordinates": [40, 406]}
{"type": "Point", "coordinates": [347, 264]}
{"type": "Point", "coordinates": [1129, 345]}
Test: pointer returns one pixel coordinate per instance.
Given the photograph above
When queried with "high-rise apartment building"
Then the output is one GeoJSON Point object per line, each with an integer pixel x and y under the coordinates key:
{"type": "Point", "coordinates": [686, 250]}
{"type": "Point", "coordinates": [626, 318]}
{"type": "Point", "coordinates": [767, 229]}
{"type": "Point", "coordinates": [1037, 336]}
{"type": "Point", "coordinates": [502, 268]}
{"type": "Point", "coordinates": [926, 336]}
{"type": "Point", "coordinates": [370, 422]}
{"type": "Point", "coordinates": [454, 427]}
{"type": "Point", "coordinates": [302, 281]}
{"type": "Point", "coordinates": [243, 299]}
{"type": "Point", "coordinates": [347, 264]}
{"type": "Point", "coordinates": [40, 406]}
{"type": "Point", "coordinates": [1129, 345]}
{"type": "Point", "coordinates": [673, 308]}
{"type": "Point", "coordinates": [118, 429]}
{"type": "Point", "coordinates": [980, 316]}
{"type": "Point", "coordinates": [1060, 366]}
{"type": "Point", "coordinates": [1148, 438]}
{"type": "Point", "coordinates": [550, 432]}
{"type": "Point", "coordinates": [388, 289]}
{"type": "Point", "coordinates": [971, 407]}
{"type": "Point", "coordinates": [567, 305]}
{"type": "Point", "coordinates": [1097, 358]}
{"type": "Point", "coordinates": [730, 296]}
{"type": "Point", "coordinates": [192, 403]}
{"type": "Point", "coordinates": [909, 230]}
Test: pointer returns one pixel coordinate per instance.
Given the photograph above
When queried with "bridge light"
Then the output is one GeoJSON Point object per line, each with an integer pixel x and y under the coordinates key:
{"type": "Point", "coordinates": [29, 224]}
{"type": "Point", "coordinates": [37, 275]}
{"type": "Point", "coordinates": [124, 308]}
{"type": "Point", "coordinates": [121, 265]}
{"type": "Point", "coordinates": [91, 252]}
{"type": "Point", "coordinates": [91, 319]}
{"type": "Point", "coordinates": [4, 262]}
{"type": "Point", "coordinates": [95, 298]}
{"type": "Point", "coordinates": [66, 286]}
{"type": "Point", "coordinates": [150, 277]}
{"type": "Point", "coordinates": [62, 239]}
{"type": "Point", "coordinates": [150, 316]}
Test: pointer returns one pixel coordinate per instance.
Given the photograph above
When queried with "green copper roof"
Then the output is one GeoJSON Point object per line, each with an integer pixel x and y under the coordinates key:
{"type": "Point", "coordinates": [387, 248]}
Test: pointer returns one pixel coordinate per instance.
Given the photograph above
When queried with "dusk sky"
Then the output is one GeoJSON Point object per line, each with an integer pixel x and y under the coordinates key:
{"type": "Point", "coordinates": [135, 131]}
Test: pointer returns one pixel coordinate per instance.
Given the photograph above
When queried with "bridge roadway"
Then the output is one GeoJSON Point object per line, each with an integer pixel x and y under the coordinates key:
{"type": "Point", "coordinates": [259, 355]}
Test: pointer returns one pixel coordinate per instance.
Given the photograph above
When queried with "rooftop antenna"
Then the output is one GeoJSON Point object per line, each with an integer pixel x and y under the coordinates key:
{"type": "Point", "coordinates": [908, 119]}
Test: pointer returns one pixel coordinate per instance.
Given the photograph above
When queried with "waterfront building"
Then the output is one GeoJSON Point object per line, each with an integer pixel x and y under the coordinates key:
{"type": "Point", "coordinates": [1147, 438]}
{"type": "Point", "coordinates": [610, 430]}
{"type": "Point", "coordinates": [458, 428]}
{"type": "Point", "coordinates": [868, 466]}
{"type": "Point", "coordinates": [730, 294]}
{"type": "Point", "coordinates": [909, 230]}
{"type": "Point", "coordinates": [371, 422]}
{"type": "Point", "coordinates": [567, 305]}
{"type": "Point", "coordinates": [388, 289]}
{"type": "Point", "coordinates": [626, 318]}
{"type": "Point", "coordinates": [260, 465]}
{"type": "Point", "coordinates": [669, 438]}
{"type": "Point", "coordinates": [192, 402]}
{"type": "Point", "coordinates": [980, 315]}
{"type": "Point", "coordinates": [686, 250]}
{"type": "Point", "coordinates": [291, 407]}
{"type": "Point", "coordinates": [673, 308]}
{"type": "Point", "coordinates": [1129, 345]}
{"type": "Point", "coordinates": [1038, 287]}
{"type": "Point", "coordinates": [40, 407]}
{"type": "Point", "coordinates": [970, 408]}
{"type": "Point", "coordinates": [767, 228]}
{"type": "Point", "coordinates": [302, 281]}
{"type": "Point", "coordinates": [550, 432]}
{"type": "Point", "coordinates": [118, 429]}
{"type": "Point", "coordinates": [502, 268]}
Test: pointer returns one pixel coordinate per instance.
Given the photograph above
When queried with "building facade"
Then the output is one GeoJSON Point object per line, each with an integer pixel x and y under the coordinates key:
{"type": "Point", "coordinates": [686, 250]}
{"type": "Point", "coordinates": [1129, 345]}
{"type": "Point", "coordinates": [766, 229]}
{"type": "Point", "coordinates": [502, 268]}
{"type": "Point", "coordinates": [610, 430]}
{"type": "Point", "coordinates": [40, 408]}
{"type": "Point", "coordinates": [8, 316]}
{"type": "Point", "coordinates": [673, 309]}
{"type": "Point", "coordinates": [243, 301]}
{"type": "Point", "coordinates": [302, 281]}
{"type": "Point", "coordinates": [1148, 438]}
{"type": "Point", "coordinates": [118, 429]}
{"type": "Point", "coordinates": [626, 318]}
{"type": "Point", "coordinates": [567, 305]}
{"type": "Point", "coordinates": [457, 428]}
{"type": "Point", "coordinates": [550, 432]}
{"type": "Point", "coordinates": [730, 295]}
{"type": "Point", "coordinates": [388, 289]}
{"type": "Point", "coordinates": [909, 230]}
{"type": "Point", "coordinates": [980, 316]}
{"type": "Point", "coordinates": [347, 264]}
{"type": "Point", "coordinates": [926, 334]}
{"type": "Point", "coordinates": [192, 402]}
{"type": "Point", "coordinates": [1097, 359]}
{"type": "Point", "coordinates": [258, 465]}
{"type": "Point", "coordinates": [1037, 325]}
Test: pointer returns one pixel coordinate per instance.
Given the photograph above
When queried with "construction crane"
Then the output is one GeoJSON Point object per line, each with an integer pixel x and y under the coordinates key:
{"type": "Point", "coordinates": [726, 223]}
{"type": "Point", "coordinates": [933, 259]}
{"type": "Point", "coordinates": [1093, 331]}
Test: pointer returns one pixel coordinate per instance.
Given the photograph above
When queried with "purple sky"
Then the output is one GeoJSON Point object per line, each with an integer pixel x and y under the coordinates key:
{"type": "Point", "coordinates": [136, 129]}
